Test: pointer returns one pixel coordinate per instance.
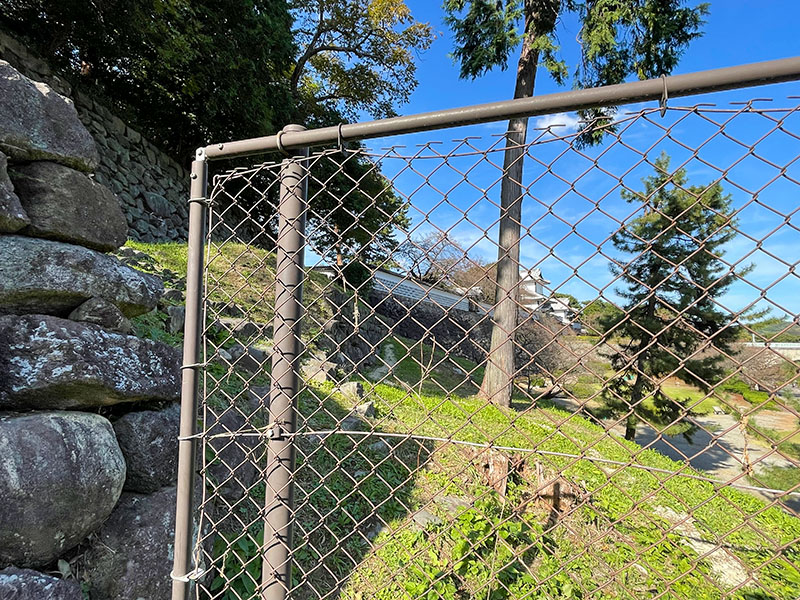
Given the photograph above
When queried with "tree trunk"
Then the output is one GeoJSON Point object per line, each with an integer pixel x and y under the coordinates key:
{"type": "Point", "coordinates": [630, 428]}
{"type": "Point", "coordinates": [339, 257]}
{"type": "Point", "coordinates": [498, 379]}
{"type": "Point", "coordinates": [638, 385]}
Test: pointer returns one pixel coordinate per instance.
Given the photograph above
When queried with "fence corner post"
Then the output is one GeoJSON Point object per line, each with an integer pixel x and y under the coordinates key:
{"type": "Point", "coordinates": [193, 328]}
{"type": "Point", "coordinates": [276, 571]}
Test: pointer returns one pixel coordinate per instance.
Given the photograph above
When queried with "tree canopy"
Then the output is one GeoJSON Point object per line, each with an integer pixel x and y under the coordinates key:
{"type": "Point", "coordinates": [184, 72]}
{"type": "Point", "coordinates": [671, 320]}
{"type": "Point", "coordinates": [618, 39]}
{"type": "Point", "coordinates": [191, 72]}
{"type": "Point", "coordinates": [355, 56]}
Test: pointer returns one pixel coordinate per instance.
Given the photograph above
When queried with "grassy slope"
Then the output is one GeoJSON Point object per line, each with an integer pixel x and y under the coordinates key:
{"type": "Point", "coordinates": [611, 539]}
{"type": "Point", "coordinates": [237, 275]}
{"type": "Point", "coordinates": [618, 518]}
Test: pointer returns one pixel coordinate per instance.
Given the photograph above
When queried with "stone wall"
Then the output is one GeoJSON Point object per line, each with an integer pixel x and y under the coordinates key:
{"type": "Point", "coordinates": [88, 412]}
{"type": "Point", "coordinates": [465, 334]}
{"type": "Point", "coordinates": [151, 186]}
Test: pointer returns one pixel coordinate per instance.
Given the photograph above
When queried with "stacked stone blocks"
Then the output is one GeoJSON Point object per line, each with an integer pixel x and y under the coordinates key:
{"type": "Point", "coordinates": [150, 185]}
{"type": "Point", "coordinates": [70, 479]}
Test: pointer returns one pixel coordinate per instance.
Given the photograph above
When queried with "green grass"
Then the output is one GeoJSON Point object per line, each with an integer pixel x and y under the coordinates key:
{"type": "Point", "coordinates": [617, 525]}
{"type": "Point", "coordinates": [700, 402]}
{"type": "Point", "coordinates": [790, 447]}
{"type": "Point", "coordinates": [346, 489]}
{"type": "Point", "coordinates": [354, 535]}
{"type": "Point", "coordinates": [757, 398]}
{"type": "Point", "coordinates": [239, 275]}
{"type": "Point", "coordinates": [167, 255]}
{"type": "Point", "coordinates": [590, 387]}
{"type": "Point", "coordinates": [778, 478]}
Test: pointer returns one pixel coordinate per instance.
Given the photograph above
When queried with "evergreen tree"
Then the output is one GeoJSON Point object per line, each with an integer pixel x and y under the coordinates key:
{"type": "Point", "coordinates": [671, 320]}
{"type": "Point", "coordinates": [182, 72]}
{"type": "Point", "coordinates": [618, 38]}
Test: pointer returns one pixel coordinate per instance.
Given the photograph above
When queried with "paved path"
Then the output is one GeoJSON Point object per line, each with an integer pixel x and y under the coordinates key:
{"type": "Point", "coordinates": [716, 447]}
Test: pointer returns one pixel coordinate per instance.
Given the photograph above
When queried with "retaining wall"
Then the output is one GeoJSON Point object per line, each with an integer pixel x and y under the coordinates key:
{"type": "Point", "coordinates": [152, 187]}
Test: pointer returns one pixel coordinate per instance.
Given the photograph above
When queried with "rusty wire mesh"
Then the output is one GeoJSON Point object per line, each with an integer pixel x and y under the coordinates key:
{"type": "Point", "coordinates": [409, 483]}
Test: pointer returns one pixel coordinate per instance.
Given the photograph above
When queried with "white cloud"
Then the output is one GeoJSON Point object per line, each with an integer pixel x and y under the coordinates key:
{"type": "Point", "coordinates": [560, 122]}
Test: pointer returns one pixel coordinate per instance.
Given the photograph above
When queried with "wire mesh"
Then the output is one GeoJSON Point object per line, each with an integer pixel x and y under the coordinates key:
{"type": "Point", "coordinates": [643, 438]}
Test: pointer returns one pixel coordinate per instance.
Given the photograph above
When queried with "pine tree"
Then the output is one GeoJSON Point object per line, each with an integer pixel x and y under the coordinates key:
{"type": "Point", "coordinates": [672, 320]}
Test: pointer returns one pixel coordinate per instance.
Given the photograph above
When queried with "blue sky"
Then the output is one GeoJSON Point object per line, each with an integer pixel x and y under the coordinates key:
{"type": "Point", "coordinates": [564, 230]}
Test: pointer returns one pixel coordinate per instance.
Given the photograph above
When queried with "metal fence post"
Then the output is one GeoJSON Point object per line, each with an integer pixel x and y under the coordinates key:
{"type": "Point", "coordinates": [276, 572]}
{"type": "Point", "coordinates": [182, 570]}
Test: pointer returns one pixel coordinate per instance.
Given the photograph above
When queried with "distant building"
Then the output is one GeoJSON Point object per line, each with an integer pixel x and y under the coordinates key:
{"type": "Point", "coordinates": [408, 288]}
{"type": "Point", "coordinates": [532, 288]}
{"type": "Point", "coordinates": [534, 296]}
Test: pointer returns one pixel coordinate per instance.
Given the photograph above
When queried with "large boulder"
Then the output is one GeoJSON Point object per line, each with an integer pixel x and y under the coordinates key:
{"type": "Point", "coordinates": [25, 584]}
{"type": "Point", "coordinates": [43, 276]}
{"type": "Point", "coordinates": [40, 124]}
{"type": "Point", "coordinates": [131, 557]}
{"type": "Point", "coordinates": [149, 442]}
{"type": "Point", "coordinates": [61, 474]}
{"type": "Point", "coordinates": [50, 362]}
{"type": "Point", "coordinates": [66, 205]}
{"type": "Point", "coordinates": [12, 215]}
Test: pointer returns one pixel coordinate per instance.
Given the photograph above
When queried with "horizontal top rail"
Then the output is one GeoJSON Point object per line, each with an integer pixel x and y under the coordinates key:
{"type": "Point", "coordinates": [754, 74]}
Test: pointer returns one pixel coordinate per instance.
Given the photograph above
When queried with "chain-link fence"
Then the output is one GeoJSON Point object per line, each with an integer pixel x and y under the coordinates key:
{"type": "Point", "coordinates": [429, 374]}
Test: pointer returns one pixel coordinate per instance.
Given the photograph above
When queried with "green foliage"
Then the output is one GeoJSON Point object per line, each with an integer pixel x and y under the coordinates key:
{"type": "Point", "coordinates": [772, 329]}
{"type": "Point", "coordinates": [190, 72]}
{"type": "Point", "coordinates": [358, 276]}
{"type": "Point", "coordinates": [618, 38]}
{"type": "Point", "coordinates": [644, 38]}
{"type": "Point", "coordinates": [154, 326]}
{"type": "Point", "coordinates": [582, 390]}
{"type": "Point", "coordinates": [502, 549]}
{"type": "Point", "coordinates": [599, 315]}
{"type": "Point", "coordinates": [240, 570]}
{"type": "Point", "coordinates": [671, 283]}
{"type": "Point", "coordinates": [355, 56]}
{"type": "Point", "coordinates": [737, 386]}
{"type": "Point", "coordinates": [357, 221]}
{"type": "Point", "coordinates": [485, 33]}
{"type": "Point", "coordinates": [175, 69]}
{"type": "Point", "coordinates": [778, 478]}
{"type": "Point", "coordinates": [572, 301]}
{"type": "Point", "coordinates": [484, 538]}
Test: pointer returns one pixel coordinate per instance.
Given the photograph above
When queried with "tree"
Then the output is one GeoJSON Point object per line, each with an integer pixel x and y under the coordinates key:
{"type": "Point", "coordinates": [599, 316]}
{"type": "Point", "coordinates": [356, 56]}
{"type": "Point", "coordinates": [352, 56]}
{"type": "Point", "coordinates": [183, 72]}
{"type": "Point", "coordinates": [353, 222]}
{"type": "Point", "coordinates": [671, 317]}
{"type": "Point", "coordinates": [431, 258]}
{"type": "Point", "coordinates": [190, 72]}
{"type": "Point", "coordinates": [618, 38]}
{"type": "Point", "coordinates": [538, 351]}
